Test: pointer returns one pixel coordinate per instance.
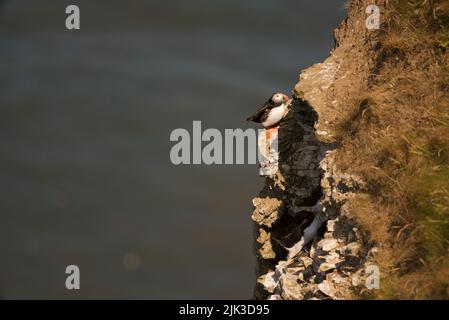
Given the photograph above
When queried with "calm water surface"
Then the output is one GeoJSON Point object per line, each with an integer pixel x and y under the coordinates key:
{"type": "Point", "coordinates": [85, 119]}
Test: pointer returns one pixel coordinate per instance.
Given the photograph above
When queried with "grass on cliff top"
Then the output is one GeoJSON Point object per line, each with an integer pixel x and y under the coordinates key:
{"type": "Point", "coordinates": [399, 133]}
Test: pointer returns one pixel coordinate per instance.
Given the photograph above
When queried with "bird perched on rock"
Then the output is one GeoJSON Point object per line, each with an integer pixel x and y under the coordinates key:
{"type": "Point", "coordinates": [272, 111]}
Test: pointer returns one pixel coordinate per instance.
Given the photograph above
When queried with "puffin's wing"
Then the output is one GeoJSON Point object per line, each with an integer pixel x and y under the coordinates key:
{"type": "Point", "coordinates": [261, 114]}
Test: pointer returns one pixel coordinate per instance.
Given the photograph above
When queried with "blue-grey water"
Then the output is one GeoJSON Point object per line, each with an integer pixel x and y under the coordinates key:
{"type": "Point", "coordinates": [85, 120]}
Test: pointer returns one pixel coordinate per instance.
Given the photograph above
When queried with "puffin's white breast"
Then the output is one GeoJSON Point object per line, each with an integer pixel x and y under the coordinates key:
{"type": "Point", "coordinates": [275, 115]}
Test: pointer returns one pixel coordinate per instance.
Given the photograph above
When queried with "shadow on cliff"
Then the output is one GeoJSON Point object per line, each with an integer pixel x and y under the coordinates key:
{"type": "Point", "coordinates": [298, 182]}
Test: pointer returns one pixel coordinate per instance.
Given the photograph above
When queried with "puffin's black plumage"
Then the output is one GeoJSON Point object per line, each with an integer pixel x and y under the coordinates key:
{"type": "Point", "coordinates": [262, 114]}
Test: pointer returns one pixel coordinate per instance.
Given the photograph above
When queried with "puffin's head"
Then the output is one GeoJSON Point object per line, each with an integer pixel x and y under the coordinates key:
{"type": "Point", "coordinates": [279, 98]}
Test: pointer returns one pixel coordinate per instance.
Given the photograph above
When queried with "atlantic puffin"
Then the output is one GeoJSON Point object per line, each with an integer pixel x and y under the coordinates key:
{"type": "Point", "coordinates": [272, 111]}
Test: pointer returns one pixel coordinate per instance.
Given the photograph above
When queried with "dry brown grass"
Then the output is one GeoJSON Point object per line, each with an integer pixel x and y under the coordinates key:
{"type": "Point", "coordinates": [398, 134]}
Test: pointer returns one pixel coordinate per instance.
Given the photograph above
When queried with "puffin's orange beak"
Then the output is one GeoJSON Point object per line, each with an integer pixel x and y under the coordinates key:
{"type": "Point", "coordinates": [285, 97]}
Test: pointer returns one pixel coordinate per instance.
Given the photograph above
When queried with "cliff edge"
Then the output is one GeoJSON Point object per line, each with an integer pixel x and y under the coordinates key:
{"type": "Point", "coordinates": [366, 141]}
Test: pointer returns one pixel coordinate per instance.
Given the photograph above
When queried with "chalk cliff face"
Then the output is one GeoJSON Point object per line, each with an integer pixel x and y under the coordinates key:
{"type": "Point", "coordinates": [333, 265]}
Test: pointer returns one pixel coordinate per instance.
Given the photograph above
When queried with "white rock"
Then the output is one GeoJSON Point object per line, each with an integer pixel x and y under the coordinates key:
{"type": "Point", "coordinates": [268, 282]}
{"type": "Point", "coordinates": [355, 280]}
{"type": "Point", "coordinates": [307, 261]}
{"type": "Point", "coordinates": [328, 235]}
{"type": "Point", "coordinates": [331, 225]}
{"type": "Point", "coordinates": [312, 251]}
{"type": "Point", "coordinates": [325, 266]}
{"type": "Point", "coordinates": [322, 132]}
{"type": "Point", "coordinates": [328, 244]}
{"type": "Point", "coordinates": [338, 279]}
{"type": "Point", "coordinates": [327, 288]}
{"type": "Point", "coordinates": [333, 258]}
{"type": "Point", "coordinates": [290, 288]}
